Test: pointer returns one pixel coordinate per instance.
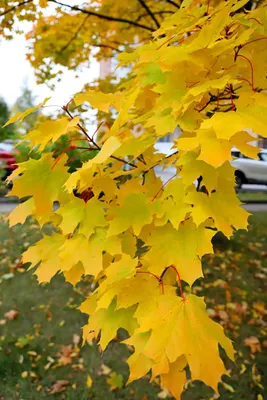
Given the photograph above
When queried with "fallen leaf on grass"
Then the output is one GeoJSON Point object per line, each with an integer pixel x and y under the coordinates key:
{"type": "Point", "coordinates": [76, 339]}
{"type": "Point", "coordinates": [260, 276]}
{"type": "Point", "coordinates": [228, 387]}
{"type": "Point", "coordinates": [115, 381]}
{"type": "Point", "coordinates": [89, 381]}
{"type": "Point", "coordinates": [11, 315]}
{"type": "Point", "coordinates": [164, 394]}
{"type": "Point", "coordinates": [253, 343]}
{"type": "Point", "coordinates": [50, 362]}
{"type": "Point", "coordinates": [104, 370]}
{"type": "Point", "coordinates": [6, 277]}
{"type": "Point", "coordinates": [65, 355]}
{"type": "Point", "coordinates": [24, 341]}
{"type": "Point", "coordinates": [259, 306]}
{"type": "Point", "coordinates": [59, 387]}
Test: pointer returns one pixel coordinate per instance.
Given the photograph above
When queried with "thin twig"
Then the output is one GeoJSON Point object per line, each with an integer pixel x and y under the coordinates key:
{"type": "Point", "coordinates": [251, 67]}
{"type": "Point", "coordinates": [145, 6]}
{"type": "Point", "coordinates": [173, 3]}
{"type": "Point", "coordinates": [23, 3]}
{"type": "Point", "coordinates": [162, 187]}
{"type": "Point", "coordinates": [94, 143]}
{"type": "Point", "coordinates": [102, 16]}
{"type": "Point", "coordinates": [64, 48]}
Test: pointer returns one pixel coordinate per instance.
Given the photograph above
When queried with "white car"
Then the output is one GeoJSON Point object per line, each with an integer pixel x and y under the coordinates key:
{"type": "Point", "coordinates": [165, 148]}
{"type": "Point", "coordinates": [249, 170]}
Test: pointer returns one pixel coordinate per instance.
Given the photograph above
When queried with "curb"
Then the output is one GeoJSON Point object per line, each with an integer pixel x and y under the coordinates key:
{"type": "Point", "coordinates": [6, 200]}
{"type": "Point", "coordinates": [253, 201]}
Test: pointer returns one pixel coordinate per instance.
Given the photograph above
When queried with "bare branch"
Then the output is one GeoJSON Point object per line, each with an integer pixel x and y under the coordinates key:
{"type": "Point", "coordinates": [23, 3]}
{"type": "Point", "coordinates": [102, 16]}
{"type": "Point", "coordinates": [65, 108]}
{"type": "Point", "coordinates": [160, 13]}
{"type": "Point", "coordinates": [64, 48]}
{"type": "Point", "coordinates": [173, 3]}
{"type": "Point", "coordinates": [144, 5]}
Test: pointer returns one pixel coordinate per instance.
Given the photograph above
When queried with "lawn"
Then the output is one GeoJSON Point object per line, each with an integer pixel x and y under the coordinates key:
{"type": "Point", "coordinates": [250, 196]}
{"type": "Point", "coordinates": [41, 356]}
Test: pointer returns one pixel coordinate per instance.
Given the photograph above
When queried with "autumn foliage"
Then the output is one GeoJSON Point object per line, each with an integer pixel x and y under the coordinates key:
{"type": "Point", "coordinates": [140, 239]}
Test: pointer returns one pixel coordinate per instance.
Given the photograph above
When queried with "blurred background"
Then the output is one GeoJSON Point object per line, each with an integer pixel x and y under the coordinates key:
{"type": "Point", "coordinates": [40, 337]}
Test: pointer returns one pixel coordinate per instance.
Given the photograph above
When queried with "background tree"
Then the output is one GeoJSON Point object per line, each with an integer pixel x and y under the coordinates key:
{"type": "Point", "coordinates": [24, 101]}
{"type": "Point", "coordinates": [5, 133]}
{"type": "Point", "coordinates": [102, 28]}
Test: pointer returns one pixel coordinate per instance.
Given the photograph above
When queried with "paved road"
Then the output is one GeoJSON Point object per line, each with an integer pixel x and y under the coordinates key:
{"type": "Point", "coordinates": [7, 207]}
{"type": "Point", "coordinates": [255, 207]}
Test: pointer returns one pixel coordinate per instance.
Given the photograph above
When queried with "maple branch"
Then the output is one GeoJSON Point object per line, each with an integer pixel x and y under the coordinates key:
{"type": "Point", "coordinates": [102, 16]}
{"type": "Point", "coordinates": [165, 158]}
{"type": "Point", "coordinates": [218, 100]}
{"type": "Point", "coordinates": [173, 3]}
{"type": "Point", "coordinates": [65, 108]}
{"type": "Point", "coordinates": [160, 13]}
{"type": "Point", "coordinates": [64, 48]}
{"type": "Point", "coordinates": [69, 141]}
{"type": "Point", "coordinates": [23, 3]}
{"type": "Point", "coordinates": [162, 187]}
{"type": "Point", "coordinates": [231, 96]}
{"type": "Point", "coordinates": [179, 281]}
{"type": "Point", "coordinates": [199, 180]}
{"type": "Point", "coordinates": [252, 41]}
{"type": "Point", "coordinates": [252, 70]}
{"type": "Point", "coordinates": [206, 105]}
{"type": "Point", "coordinates": [76, 155]}
{"type": "Point", "coordinates": [178, 277]}
{"type": "Point", "coordinates": [107, 46]}
{"type": "Point", "coordinates": [159, 278]}
{"type": "Point", "coordinates": [145, 6]}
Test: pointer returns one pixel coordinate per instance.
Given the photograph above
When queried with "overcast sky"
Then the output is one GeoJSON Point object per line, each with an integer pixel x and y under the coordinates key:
{"type": "Point", "coordinates": [15, 69]}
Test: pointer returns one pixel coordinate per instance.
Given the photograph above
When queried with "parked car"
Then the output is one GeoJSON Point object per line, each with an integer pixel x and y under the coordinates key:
{"type": "Point", "coordinates": [7, 159]}
{"type": "Point", "coordinates": [165, 148]}
{"type": "Point", "coordinates": [249, 170]}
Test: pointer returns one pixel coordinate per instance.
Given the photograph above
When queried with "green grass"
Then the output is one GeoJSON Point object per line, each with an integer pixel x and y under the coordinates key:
{"type": "Point", "coordinates": [31, 344]}
{"type": "Point", "coordinates": [252, 196]}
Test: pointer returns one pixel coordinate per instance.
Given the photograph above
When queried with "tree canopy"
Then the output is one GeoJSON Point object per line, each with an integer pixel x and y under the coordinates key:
{"type": "Point", "coordinates": [5, 133]}
{"type": "Point", "coordinates": [103, 28]}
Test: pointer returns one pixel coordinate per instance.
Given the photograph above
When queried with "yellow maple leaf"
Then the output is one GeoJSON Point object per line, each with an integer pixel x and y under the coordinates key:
{"type": "Point", "coordinates": [50, 130]}
{"type": "Point", "coordinates": [74, 274]}
{"type": "Point", "coordinates": [139, 364]}
{"type": "Point", "coordinates": [108, 321]}
{"type": "Point", "coordinates": [89, 215]}
{"type": "Point", "coordinates": [21, 212]}
{"type": "Point", "coordinates": [99, 100]}
{"type": "Point", "coordinates": [46, 251]}
{"type": "Point", "coordinates": [197, 340]}
{"type": "Point", "coordinates": [134, 212]}
{"type": "Point", "coordinates": [84, 176]}
{"type": "Point", "coordinates": [89, 381]}
{"type": "Point", "coordinates": [21, 115]}
{"type": "Point", "coordinates": [46, 190]}
{"type": "Point", "coordinates": [183, 248]}
{"type": "Point", "coordinates": [225, 209]}
{"type": "Point", "coordinates": [175, 379]}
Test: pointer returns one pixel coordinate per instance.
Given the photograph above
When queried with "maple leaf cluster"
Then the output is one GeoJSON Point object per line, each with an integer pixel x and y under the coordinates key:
{"type": "Point", "coordinates": [205, 71]}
